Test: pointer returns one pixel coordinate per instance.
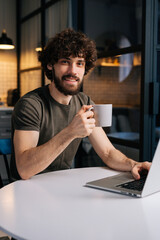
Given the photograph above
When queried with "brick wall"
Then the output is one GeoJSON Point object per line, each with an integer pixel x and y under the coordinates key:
{"type": "Point", "coordinates": [103, 86]}
{"type": "Point", "coordinates": [8, 72]}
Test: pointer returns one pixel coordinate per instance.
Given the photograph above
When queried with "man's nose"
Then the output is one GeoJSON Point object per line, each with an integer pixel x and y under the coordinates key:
{"type": "Point", "coordinates": [72, 69]}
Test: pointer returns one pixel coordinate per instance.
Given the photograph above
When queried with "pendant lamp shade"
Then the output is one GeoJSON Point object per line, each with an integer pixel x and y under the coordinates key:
{"type": "Point", "coordinates": [5, 42]}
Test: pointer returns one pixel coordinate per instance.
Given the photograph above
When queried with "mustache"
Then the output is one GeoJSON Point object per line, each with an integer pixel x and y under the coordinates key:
{"type": "Point", "coordinates": [70, 76]}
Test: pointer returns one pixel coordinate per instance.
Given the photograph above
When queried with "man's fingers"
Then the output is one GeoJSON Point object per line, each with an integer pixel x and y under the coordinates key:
{"type": "Point", "coordinates": [85, 110]}
{"type": "Point", "coordinates": [135, 173]}
{"type": "Point", "coordinates": [140, 168]}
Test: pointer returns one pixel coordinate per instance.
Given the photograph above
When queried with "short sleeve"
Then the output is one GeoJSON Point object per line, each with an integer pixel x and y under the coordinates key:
{"type": "Point", "coordinates": [27, 115]}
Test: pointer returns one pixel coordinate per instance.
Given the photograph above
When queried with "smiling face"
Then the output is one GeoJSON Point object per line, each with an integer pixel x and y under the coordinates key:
{"type": "Point", "coordinates": [68, 74]}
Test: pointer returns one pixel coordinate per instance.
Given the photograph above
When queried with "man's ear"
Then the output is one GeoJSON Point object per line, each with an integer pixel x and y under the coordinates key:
{"type": "Point", "coordinates": [49, 66]}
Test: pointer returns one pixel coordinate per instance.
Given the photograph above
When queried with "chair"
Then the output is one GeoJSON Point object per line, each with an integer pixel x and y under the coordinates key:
{"type": "Point", "coordinates": [5, 148]}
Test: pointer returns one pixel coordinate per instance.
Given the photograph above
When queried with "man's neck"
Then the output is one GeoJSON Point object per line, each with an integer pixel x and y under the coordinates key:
{"type": "Point", "coordinates": [58, 96]}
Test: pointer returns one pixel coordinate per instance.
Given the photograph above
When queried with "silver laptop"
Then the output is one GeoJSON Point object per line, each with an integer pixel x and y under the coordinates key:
{"type": "Point", "coordinates": [124, 183]}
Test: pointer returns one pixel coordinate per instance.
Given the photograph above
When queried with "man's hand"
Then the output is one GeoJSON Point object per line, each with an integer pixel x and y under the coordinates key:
{"type": "Point", "coordinates": [83, 123]}
{"type": "Point", "coordinates": [140, 167]}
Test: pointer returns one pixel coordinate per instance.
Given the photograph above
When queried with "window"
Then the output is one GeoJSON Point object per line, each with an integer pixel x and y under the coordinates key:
{"type": "Point", "coordinates": [38, 21]}
{"type": "Point", "coordinates": [117, 31]}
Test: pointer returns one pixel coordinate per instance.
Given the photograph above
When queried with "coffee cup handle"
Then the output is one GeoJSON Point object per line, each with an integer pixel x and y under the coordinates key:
{"type": "Point", "coordinates": [90, 109]}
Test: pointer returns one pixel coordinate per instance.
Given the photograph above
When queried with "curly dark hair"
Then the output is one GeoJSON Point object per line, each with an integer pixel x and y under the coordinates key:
{"type": "Point", "coordinates": [68, 43]}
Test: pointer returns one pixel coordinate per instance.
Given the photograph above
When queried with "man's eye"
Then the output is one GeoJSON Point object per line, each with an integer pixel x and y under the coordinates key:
{"type": "Point", "coordinates": [81, 64]}
{"type": "Point", "coordinates": [64, 62]}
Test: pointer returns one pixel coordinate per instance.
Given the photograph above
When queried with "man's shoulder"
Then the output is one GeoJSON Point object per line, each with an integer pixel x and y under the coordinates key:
{"type": "Point", "coordinates": [83, 98]}
{"type": "Point", "coordinates": [32, 101]}
{"type": "Point", "coordinates": [36, 95]}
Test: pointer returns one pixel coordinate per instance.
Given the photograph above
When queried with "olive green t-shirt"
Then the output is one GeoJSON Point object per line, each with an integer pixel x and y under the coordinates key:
{"type": "Point", "coordinates": [38, 111]}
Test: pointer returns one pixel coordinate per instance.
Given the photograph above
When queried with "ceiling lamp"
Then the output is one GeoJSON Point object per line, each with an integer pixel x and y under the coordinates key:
{"type": "Point", "coordinates": [5, 42]}
{"type": "Point", "coordinates": [38, 49]}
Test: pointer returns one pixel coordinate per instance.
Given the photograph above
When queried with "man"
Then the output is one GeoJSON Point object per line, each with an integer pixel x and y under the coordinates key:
{"type": "Point", "coordinates": [49, 123]}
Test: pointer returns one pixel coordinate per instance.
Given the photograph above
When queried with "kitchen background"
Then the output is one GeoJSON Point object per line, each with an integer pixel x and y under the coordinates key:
{"type": "Point", "coordinates": [8, 59]}
{"type": "Point", "coordinates": [105, 84]}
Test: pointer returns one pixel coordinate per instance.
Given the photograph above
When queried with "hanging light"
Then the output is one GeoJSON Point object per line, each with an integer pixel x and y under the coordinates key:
{"type": "Point", "coordinates": [5, 42]}
{"type": "Point", "coordinates": [38, 49]}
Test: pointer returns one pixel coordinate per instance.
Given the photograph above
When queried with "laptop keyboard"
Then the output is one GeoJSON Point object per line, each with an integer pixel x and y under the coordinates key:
{"type": "Point", "coordinates": [135, 184]}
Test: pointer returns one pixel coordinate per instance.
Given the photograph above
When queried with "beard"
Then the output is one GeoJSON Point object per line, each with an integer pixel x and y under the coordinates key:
{"type": "Point", "coordinates": [61, 88]}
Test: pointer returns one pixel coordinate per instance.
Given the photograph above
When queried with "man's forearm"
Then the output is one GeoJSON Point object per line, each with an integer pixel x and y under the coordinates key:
{"type": "Point", "coordinates": [31, 159]}
{"type": "Point", "coordinates": [118, 161]}
{"type": "Point", "coordinates": [36, 159]}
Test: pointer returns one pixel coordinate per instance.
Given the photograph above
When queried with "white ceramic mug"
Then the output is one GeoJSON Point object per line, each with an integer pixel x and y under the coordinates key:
{"type": "Point", "coordinates": [103, 115]}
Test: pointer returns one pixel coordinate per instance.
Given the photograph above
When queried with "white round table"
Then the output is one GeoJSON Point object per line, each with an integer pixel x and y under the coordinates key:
{"type": "Point", "coordinates": [58, 206]}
